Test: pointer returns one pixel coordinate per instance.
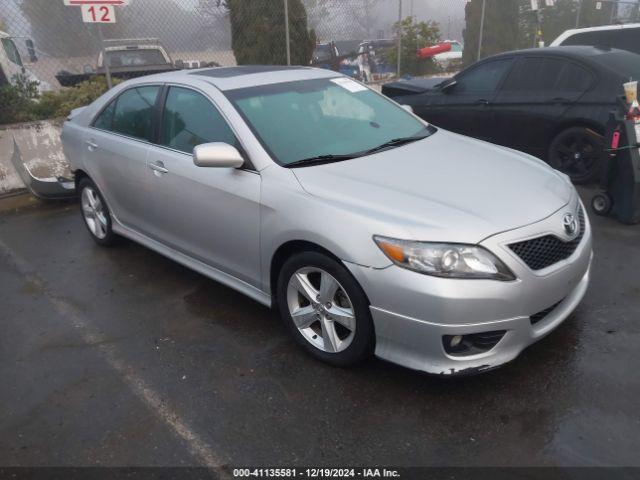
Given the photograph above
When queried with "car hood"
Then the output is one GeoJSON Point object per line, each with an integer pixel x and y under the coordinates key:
{"type": "Point", "coordinates": [446, 187]}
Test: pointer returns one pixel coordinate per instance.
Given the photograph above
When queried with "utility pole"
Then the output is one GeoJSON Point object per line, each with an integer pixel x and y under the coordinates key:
{"type": "Point", "coordinates": [286, 30]}
{"type": "Point", "coordinates": [484, 6]}
{"type": "Point", "coordinates": [579, 12]}
{"type": "Point", "coordinates": [105, 60]}
{"type": "Point", "coordinates": [614, 11]}
{"type": "Point", "coordinates": [399, 36]}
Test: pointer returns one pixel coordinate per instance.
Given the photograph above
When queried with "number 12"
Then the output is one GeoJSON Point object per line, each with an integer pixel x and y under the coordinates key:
{"type": "Point", "coordinates": [102, 12]}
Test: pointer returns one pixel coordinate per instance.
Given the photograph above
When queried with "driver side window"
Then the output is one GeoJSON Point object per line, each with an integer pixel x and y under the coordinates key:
{"type": "Point", "coordinates": [190, 119]}
{"type": "Point", "coordinates": [483, 78]}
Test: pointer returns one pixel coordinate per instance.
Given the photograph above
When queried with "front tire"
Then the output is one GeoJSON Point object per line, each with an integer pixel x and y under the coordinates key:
{"type": "Point", "coordinates": [325, 309]}
{"type": "Point", "coordinates": [95, 213]}
{"type": "Point", "coordinates": [577, 152]}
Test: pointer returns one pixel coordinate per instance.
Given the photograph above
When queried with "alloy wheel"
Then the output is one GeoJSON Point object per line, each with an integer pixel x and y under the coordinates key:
{"type": "Point", "coordinates": [321, 309]}
{"type": "Point", "coordinates": [94, 213]}
{"type": "Point", "coordinates": [576, 153]}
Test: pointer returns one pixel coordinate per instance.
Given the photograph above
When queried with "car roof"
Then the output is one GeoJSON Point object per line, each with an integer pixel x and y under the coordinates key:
{"type": "Point", "coordinates": [569, 33]}
{"type": "Point", "coordinates": [575, 51]}
{"type": "Point", "coordinates": [243, 76]}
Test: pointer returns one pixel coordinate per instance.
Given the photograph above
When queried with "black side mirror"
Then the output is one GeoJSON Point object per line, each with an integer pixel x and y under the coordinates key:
{"type": "Point", "coordinates": [31, 50]}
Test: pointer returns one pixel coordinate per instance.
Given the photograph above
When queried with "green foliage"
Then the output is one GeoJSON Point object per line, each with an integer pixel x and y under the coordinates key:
{"type": "Point", "coordinates": [16, 99]}
{"type": "Point", "coordinates": [258, 32]}
{"type": "Point", "coordinates": [415, 35]}
{"type": "Point", "coordinates": [69, 98]}
{"type": "Point", "coordinates": [20, 102]}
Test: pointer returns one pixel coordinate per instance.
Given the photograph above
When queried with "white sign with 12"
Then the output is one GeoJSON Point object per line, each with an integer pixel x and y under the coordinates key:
{"type": "Point", "coordinates": [97, 11]}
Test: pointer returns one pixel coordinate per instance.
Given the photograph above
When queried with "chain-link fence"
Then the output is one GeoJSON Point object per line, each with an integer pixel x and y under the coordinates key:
{"type": "Point", "coordinates": [357, 37]}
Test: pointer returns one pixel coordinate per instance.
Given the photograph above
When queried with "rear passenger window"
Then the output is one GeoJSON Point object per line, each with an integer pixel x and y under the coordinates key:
{"type": "Point", "coordinates": [534, 74]}
{"type": "Point", "coordinates": [132, 114]}
{"type": "Point", "coordinates": [574, 78]}
{"type": "Point", "coordinates": [190, 119]}
{"type": "Point", "coordinates": [547, 74]}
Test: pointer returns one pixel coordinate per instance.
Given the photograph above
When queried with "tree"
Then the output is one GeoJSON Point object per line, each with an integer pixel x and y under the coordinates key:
{"type": "Point", "coordinates": [500, 32]}
{"type": "Point", "coordinates": [415, 35]}
{"type": "Point", "coordinates": [258, 30]}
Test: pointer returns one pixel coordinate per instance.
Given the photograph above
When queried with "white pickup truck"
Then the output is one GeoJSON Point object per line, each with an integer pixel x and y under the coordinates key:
{"type": "Point", "coordinates": [11, 62]}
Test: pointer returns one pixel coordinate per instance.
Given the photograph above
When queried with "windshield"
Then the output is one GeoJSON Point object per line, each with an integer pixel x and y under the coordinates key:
{"type": "Point", "coordinates": [135, 58]}
{"type": "Point", "coordinates": [311, 118]}
{"type": "Point", "coordinates": [12, 51]}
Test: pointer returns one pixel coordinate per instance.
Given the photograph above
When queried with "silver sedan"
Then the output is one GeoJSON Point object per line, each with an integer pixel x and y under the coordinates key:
{"type": "Point", "coordinates": [372, 231]}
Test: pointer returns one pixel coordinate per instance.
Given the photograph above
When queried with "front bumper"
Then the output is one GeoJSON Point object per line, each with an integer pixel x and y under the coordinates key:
{"type": "Point", "coordinates": [412, 312]}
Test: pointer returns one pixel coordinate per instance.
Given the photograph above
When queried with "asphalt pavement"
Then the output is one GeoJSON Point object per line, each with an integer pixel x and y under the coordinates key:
{"type": "Point", "coordinates": [119, 356]}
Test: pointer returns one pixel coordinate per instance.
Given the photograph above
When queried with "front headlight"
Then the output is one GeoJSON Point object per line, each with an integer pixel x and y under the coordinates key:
{"type": "Point", "coordinates": [452, 260]}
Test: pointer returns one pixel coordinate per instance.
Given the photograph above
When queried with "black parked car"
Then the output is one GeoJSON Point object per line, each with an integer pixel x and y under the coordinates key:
{"type": "Point", "coordinates": [552, 103]}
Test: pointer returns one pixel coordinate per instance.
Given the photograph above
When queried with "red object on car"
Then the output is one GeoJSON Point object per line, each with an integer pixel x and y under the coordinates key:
{"type": "Point", "coordinates": [429, 52]}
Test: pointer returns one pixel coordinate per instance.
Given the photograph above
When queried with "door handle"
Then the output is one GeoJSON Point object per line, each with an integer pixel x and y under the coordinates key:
{"type": "Point", "coordinates": [158, 167]}
{"type": "Point", "coordinates": [564, 101]}
{"type": "Point", "coordinates": [482, 101]}
{"type": "Point", "coordinates": [92, 146]}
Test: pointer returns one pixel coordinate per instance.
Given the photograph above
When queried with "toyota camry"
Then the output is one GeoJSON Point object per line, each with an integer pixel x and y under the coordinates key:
{"type": "Point", "coordinates": [370, 230]}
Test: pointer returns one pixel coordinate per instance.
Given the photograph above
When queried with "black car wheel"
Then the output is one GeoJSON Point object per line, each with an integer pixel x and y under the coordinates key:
{"type": "Point", "coordinates": [577, 152]}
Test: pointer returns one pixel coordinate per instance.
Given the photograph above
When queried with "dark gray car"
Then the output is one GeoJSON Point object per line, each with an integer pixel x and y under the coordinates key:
{"type": "Point", "coordinates": [552, 103]}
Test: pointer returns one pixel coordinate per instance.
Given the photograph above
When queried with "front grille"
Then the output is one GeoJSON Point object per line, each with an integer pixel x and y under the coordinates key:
{"type": "Point", "coordinates": [542, 252]}
{"type": "Point", "coordinates": [542, 314]}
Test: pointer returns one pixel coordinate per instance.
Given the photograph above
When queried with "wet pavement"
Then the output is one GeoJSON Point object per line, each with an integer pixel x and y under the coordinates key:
{"type": "Point", "coordinates": [122, 357]}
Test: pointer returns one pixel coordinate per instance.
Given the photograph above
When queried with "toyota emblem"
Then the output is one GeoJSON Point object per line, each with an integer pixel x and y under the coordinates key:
{"type": "Point", "coordinates": [570, 224]}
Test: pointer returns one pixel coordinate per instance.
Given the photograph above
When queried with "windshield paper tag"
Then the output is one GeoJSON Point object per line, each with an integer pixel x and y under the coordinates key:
{"type": "Point", "coordinates": [349, 84]}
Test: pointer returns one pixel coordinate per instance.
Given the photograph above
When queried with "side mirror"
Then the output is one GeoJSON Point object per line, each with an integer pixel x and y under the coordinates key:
{"type": "Point", "coordinates": [217, 155]}
{"type": "Point", "coordinates": [449, 86]}
{"type": "Point", "coordinates": [408, 108]}
{"type": "Point", "coordinates": [31, 50]}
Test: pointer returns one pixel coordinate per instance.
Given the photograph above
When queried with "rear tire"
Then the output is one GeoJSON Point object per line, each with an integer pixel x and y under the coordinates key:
{"type": "Point", "coordinates": [95, 213]}
{"type": "Point", "coordinates": [578, 152]}
{"type": "Point", "coordinates": [332, 319]}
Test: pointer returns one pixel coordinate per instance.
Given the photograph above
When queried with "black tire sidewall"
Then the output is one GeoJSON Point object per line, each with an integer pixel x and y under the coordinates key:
{"type": "Point", "coordinates": [363, 342]}
{"type": "Point", "coordinates": [596, 168]}
{"type": "Point", "coordinates": [109, 238]}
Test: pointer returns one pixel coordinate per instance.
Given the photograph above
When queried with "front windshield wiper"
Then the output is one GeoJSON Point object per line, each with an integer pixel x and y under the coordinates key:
{"type": "Point", "coordinates": [396, 142]}
{"type": "Point", "coordinates": [330, 158]}
{"type": "Point", "coordinates": [321, 159]}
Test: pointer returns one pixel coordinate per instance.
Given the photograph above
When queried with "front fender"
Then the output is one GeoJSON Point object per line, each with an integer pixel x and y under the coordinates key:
{"type": "Point", "coordinates": [289, 213]}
